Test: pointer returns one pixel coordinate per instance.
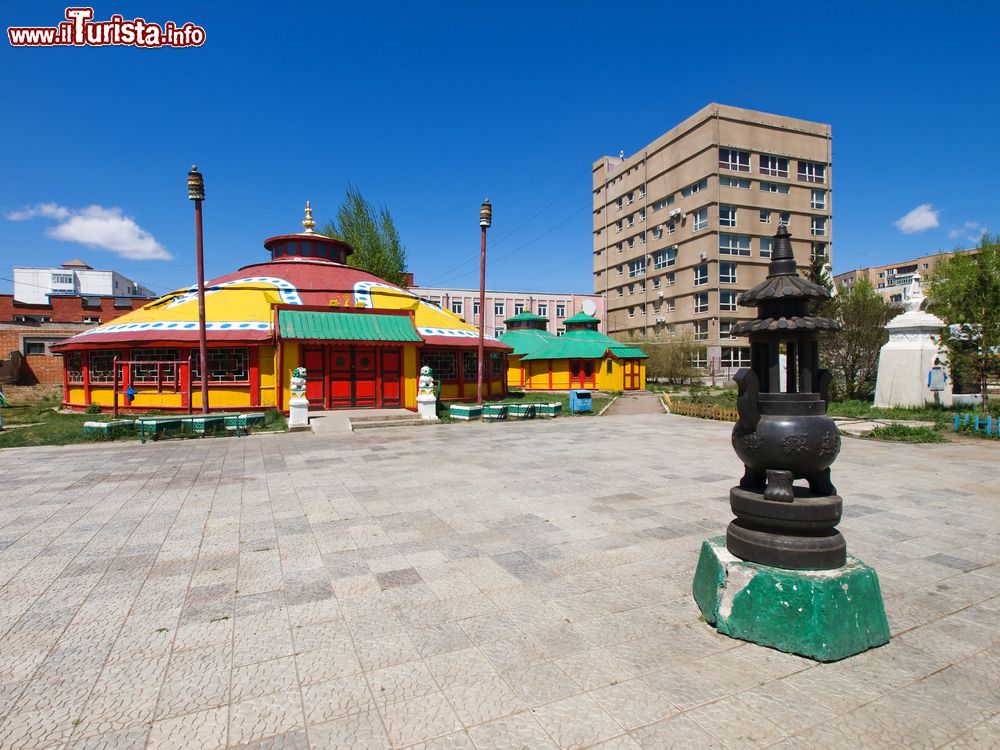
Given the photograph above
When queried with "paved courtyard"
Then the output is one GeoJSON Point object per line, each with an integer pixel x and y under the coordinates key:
{"type": "Point", "coordinates": [469, 586]}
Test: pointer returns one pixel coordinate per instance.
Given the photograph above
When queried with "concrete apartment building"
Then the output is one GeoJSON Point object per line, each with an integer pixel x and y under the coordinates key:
{"type": "Point", "coordinates": [893, 281]}
{"type": "Point", "coordinates": [34, 286]}
{"type": "Point", "coordinates": [501, 305]}
{"type": "Point", "coordinates": [684, 225]}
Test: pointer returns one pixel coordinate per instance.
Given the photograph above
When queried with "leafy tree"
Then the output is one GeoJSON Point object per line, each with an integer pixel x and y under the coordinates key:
{"type": "Point", "coordinates": [851, 354]}
{"type": "Point", "coordinates": [671, 355]}
{"type": "Point", "coordinates": [964, 291]}
{"type": "Point", "coordinates": [373, 235]}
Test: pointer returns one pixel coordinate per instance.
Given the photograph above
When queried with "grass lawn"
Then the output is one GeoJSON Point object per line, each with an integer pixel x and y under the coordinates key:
{"type": "Point", "coordinates": [49, 427]}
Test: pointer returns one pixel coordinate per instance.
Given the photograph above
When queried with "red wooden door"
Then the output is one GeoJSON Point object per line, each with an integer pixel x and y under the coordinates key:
{"type": "Point", "coordinates": [340, 377]}
{"type": "Point", "coordinates": [581, 373]}
{"type": "Point", "coordinates": [392, 377]}
{"type": "Point", "coordinates": [365, 377]}
{"type": "Point", "coordinates": [312, 360]}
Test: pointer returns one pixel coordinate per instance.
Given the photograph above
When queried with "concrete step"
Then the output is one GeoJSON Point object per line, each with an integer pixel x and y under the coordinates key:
{"type": "Point", "coordinates": [389, 422]}
{"type": "Point", "coordinates": [381, 417]}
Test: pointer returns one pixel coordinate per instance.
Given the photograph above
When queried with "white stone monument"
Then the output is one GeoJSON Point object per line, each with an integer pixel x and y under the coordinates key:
{"type": "Point", "coordinates": [911, 366]}
{"type": "Point", "coordinates": [426, 400]}
{"type": "Point", "coordinates": [298, 404]}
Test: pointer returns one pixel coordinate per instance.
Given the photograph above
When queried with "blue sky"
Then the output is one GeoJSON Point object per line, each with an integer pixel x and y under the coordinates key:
{"type": "Point", "coordinates": [429, 107]}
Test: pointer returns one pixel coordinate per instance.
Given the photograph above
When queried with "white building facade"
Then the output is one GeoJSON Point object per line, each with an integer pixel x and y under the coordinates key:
{"type": "Point", "coordinates": [35, 285]}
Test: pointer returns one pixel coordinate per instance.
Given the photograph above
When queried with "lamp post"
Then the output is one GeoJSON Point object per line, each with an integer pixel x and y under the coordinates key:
{"type": "Point", "coordinates": [196, 192]}
{"type": "Point", "coordinates": [485, 219]}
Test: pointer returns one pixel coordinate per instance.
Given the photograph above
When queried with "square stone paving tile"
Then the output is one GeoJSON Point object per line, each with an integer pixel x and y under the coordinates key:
{"type": "Point", "coordinates": [402, 588]}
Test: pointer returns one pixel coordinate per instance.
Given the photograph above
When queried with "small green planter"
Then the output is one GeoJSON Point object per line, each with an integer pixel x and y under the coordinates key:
{"type": "Point", "coordinates": [521, 411]}
{"type": "Point", "coordinates": [107, 429]}
{"type": "Point", "coordinates": [548, 410]}
{"type": "Point", "coordinates": [494, 412]}
{"type": "Point", "coordinates": [465, 412]}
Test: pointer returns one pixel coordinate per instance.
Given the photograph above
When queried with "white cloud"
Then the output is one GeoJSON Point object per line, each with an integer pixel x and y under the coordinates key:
{"type": "Point", "coordinates": [971, 231]}
{"type": "Point", "coordinates": [50, 210]}
{"type": "Point", "coordinates": [920, 219]}
{"type": "Point", "coordinates": [96, 226]}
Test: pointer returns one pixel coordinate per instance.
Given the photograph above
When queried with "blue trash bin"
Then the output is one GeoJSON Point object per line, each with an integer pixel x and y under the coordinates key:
{"type": "Point", "coordinates": [579, 401]}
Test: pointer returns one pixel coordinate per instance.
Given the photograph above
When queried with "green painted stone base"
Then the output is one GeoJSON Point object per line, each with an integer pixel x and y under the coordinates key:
{"type": "Point", "coordinates": [822, 614]}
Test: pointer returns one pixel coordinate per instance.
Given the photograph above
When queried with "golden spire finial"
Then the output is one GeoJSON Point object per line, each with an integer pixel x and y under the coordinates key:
{"type": "Point", "coordinates": [308, 222]}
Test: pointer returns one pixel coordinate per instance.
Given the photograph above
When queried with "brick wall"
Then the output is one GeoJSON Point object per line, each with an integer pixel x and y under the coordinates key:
{"type": "Point", "coordinates": [67, 314]}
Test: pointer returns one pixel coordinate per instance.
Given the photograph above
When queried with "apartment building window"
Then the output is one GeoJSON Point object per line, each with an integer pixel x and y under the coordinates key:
{"type": "Point", "coordinates": [773, 166]}
{"type": "Point", "coordinates": [657, 306]}
{"type": "Point", "coordinates": [734, 182]}
{"type": "Point", "coordinates": [618, 225]}
{"type": "Point", "coordinates": [498, 308]}
{"type": "Point", "coordinates": [620, 269]}
{"type": "Point", "coordinates": [618, 204]}
{"type": "Point", "coordinates": [618, 292]}
{"type": "Point", "coordinates": [636, 268]}
{"type": "Point", "coordinates": [738, 161]}
{"type": "Point", "coordinates": [631, 312]}
{"type": "Point", "coordinates": [641, 286]}
{"type": "Point", "coordinates": [663, 202]}
{"type": "Point", "coordinates": [543, 308]}
{"type": "Point", "coordinates": [631, 220]}
{"type": "Point", "coordinates": [735, 356]}
{"type": "Point", "coordinates": [734, 244]}
{"type": "Point", "coordinates": [497, 331]}
{"type": "Point", "coordinates": [818, 226]}
{"type": "Point", "coordinates": [671, 226]}
{"type": "Point", "coordinates": [765, 216]}
{"type": "Point", "coordinates": [727, 301]}
{"type": "Point", "coordinates": [700, 334]}
{"type": "Point", "coordinates": [92, 319]}
{"type": "Point", "coordinates": [784, 217]}
{"type": "Point", "coordinates": [560, 331]}
{"type": "Point", "coordinates": [475, 307]}
{"type": "Point", "coordinates": [670, 278]}
{"type": "Point", "coordinates": [631, 197]}
{"type": "Point", "coordinates": [726, 329]}
{"type": "Point", "coordinates": [701, 302]}
{"type": "Point", "coordinates": [818, 200]}
{"type": "Point", "coordinates": [518, 308]}
{"type": "Point", "coordinates": [664, 258]}
{"type": "Point", "coordinates": [727, 216]}
{"type": "Point", "coordinates": [765, 247]}
{"type": "Point", "coordinates": [631, 242]}
{"type": "Point", "coordinates": [618, 248]}
{"type": "Point", "coordinates": [457, 307]}
{"type": "Point", "coordinates": [811, 171]}
{"type": "Point", "coordinates": [727, 273]}
{"type": "Point", "coordinates": [818, 251]}
{"type": "Point", "coordinates": [657, 232]}
{"type": "Point", "coordinates": [774, 187]}
{"type": "Point", "coordinates": [671, 305]}
{"type": "Point", "coordinates": [642, 238]}
{"type": "Point", "coordinates": [701, 219]}
{"type": "Point", "coordinates": [656, 282]}
{"type": "Point", "coordinates": [697, 187]}
{"type": "Point", "coordinates": [642, 215]}
{"type": "Point", "coordinates": [701, 274]}
{"type": "Point", "coordinates": [631, 289]}
{"type": "Point", "coordinates": [560, 311]}
{"type": "Point", "coordinates": [642, 191]}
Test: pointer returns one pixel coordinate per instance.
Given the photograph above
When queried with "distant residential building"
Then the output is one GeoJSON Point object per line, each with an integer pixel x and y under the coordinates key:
{"type": "Point", "coordinates": [685, 224]}
{"type": "Point", "coordinates": [500, 305]}
{"type": "Point", "coordinates": [893, 280]}
{"type": "Point", "coordinates": [35, 286]}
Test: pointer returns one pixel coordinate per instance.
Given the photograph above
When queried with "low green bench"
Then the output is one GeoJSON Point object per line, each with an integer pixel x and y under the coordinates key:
{"type": "Point", "coordinates": [243, 421]}
{"type": "Point", "coordinates": [465, 411]}
{"type": "Point", "coordinates": [548, 410]}
{"type": "Point", "coordinates": [154, 426]}
{"type": "Point", "coordinates": [494, 412]}
{"type": "Point", "coordinates": [521, 411]}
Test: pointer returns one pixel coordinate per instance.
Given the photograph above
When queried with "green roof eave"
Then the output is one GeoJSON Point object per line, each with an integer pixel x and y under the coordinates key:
{"type": "Point", "coordinates": [527, 316]}
{"type": "Point", "coordinates": [582, 317]}
{"type": "Point", "coordinates": [340, 326]}
{"type": "Point", "coordinates": [527, 340]}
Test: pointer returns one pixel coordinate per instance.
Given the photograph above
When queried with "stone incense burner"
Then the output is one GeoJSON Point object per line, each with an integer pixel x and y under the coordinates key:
{"type": "Point", "coordinates": [783, 433]}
